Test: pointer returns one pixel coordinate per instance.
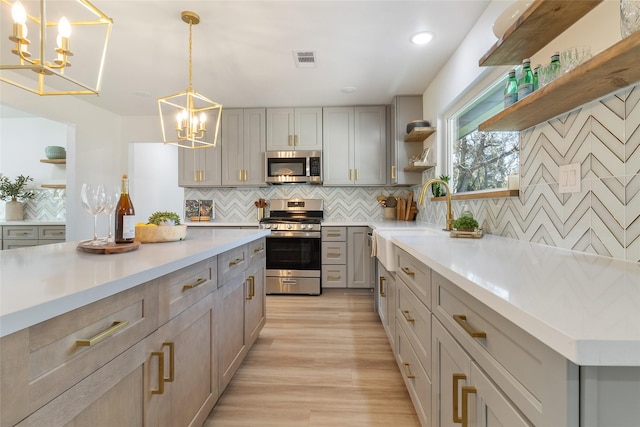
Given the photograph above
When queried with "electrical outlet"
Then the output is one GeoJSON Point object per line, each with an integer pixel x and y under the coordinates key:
{"type": "Point", "coordinates": [569, 179]}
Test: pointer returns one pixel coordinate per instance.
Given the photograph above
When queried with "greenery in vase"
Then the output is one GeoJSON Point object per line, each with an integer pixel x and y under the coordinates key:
{"type": "Point", "coordinates": [438, 189]}
{"type": "Point", "coordinates": [15, 190]}
{"type": "Point", "coordinates": [465, 223]}
{"type": "Point", "coordinates": [164, 218]}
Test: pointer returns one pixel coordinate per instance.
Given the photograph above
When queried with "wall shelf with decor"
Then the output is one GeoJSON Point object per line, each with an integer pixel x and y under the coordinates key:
{"type": "Point", "coordinates": [610, 70]}
{"type": "Point", "coordinates": [542, 22]}
{"type": "Point", "coordinates": [419, 134]}
{"type": "Point", "coordinates": [54, 161]}
{"type": "Point", "coordinates": [418, 168]}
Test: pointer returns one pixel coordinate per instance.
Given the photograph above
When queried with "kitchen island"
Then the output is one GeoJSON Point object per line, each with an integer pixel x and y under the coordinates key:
{"type": "Point", "coordinates": [148, 337]}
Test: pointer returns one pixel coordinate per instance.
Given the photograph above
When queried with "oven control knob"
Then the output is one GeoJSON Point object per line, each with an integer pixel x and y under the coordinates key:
{"type": "Point", "coordinates": [289, 226]}
{"type": "Point", "coordinates": [267, 226]}
{"type": "Point", "coordinates": [274, 227]}
{"type": "Point", "coordinates": [303, 226]}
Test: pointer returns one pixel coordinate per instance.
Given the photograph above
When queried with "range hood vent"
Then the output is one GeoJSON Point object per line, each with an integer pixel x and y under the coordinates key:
{"type": "Point", "coordinates": [305, 58]}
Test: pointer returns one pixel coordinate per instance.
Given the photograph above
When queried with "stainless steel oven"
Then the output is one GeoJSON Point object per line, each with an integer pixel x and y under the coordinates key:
{"type": "Point", "coordinates": [293, 249]}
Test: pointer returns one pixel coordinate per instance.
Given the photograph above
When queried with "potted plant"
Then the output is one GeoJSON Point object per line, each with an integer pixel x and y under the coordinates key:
{"type": "Point", "coordinates": [14, 193]}
{"type": "Point", "coordinates": [465, 223]}
{"type": "Point", "coordinates": [437, 189]}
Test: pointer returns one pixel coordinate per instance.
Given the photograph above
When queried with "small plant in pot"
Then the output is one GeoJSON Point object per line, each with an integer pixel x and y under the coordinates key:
{"type": "Point", "coordinates": [437, 189]}
{"type": "Point", "coordinates": [465, 223]}
{"type": "Point", "coordinates": [14, 193]}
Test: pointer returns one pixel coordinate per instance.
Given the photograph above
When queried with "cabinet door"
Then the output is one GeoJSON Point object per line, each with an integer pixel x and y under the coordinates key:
{"type": "Point", "coordinates": [232, 142]}
{"type": "Point", "coordinates": [254, 145]}
{"type": "Point", "coordinates": [358, 258]}
{"type": "Point", "coordinates": [199, 168]}
{"type": "Point", "coordinates": [230, 328]}
{"type": "Point", "coordinates": [338, 134]}
{"type": "Point", "coordinates": [383, 288]}
{"type": "Point", "coordinates": [370, 156]}
{"type": "Point", "coordinates": [255, 303]}
{"type": "Point", "coordinates": [451, 371]}
{"type": "Point", "coordinates": [280, 129]}
{"type": "Point", "coordinates": [308, 129]}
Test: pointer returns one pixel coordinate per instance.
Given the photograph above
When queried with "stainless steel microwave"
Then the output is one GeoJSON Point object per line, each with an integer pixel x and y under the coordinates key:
{"type": "Point", "coordinates": [284, 167]}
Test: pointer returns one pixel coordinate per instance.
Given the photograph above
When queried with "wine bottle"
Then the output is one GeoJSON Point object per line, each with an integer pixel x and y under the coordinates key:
{"type": "Point", "coordinates": [125, 215]}
{"type": "Point", "coordinates": [511, 89]}
{"type": "Point", "coordinates": [525, 84]}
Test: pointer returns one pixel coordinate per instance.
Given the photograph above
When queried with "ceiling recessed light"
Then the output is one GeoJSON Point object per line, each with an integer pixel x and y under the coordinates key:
{"type": "Point", "coordinates": [348, 89]}
{"type": "Point", "coordinates": [421, 38]}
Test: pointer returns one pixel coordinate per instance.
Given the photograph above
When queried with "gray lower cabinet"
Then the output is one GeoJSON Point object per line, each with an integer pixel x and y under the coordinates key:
{"type": "Point", "coordinates": [359, 259]}
{"type": "Point", "coordinates": [20, 236]}
{"type": "Point", "coordinates": [346, 258]}
{"type": "Point", "coordinates": [387, 301]}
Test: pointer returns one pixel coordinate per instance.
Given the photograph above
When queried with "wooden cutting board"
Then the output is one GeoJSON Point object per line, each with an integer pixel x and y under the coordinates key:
{"type": "Point", "coordinates": [109, 248]}
{"type": "Point", "coordinates": [400, 209]}
{"type": "Point", "coordinates": [408, 208]}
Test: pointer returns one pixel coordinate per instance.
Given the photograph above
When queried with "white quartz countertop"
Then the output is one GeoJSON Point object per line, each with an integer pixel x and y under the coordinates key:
{"type": "Point", "coordinates": [41, 282]}
{"type": "Point", "coordinates": [585, 307]}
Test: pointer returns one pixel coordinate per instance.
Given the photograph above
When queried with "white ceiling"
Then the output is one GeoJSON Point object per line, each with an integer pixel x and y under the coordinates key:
{"type": "Point", "coordinates": [242, 50]}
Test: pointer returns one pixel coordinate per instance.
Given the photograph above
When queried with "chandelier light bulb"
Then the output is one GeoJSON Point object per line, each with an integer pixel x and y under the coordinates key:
{"type": "Point", "coordinates": [59, 40]}
{"type": "Point", "coordinates": [203, 117]}
{"type": "Point", "coordinates": [18, 13]}
{"type": "Point", "coordinates": [64, 27]}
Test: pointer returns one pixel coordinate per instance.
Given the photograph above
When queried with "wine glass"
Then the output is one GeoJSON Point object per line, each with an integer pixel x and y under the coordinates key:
{"type": "Point", "coordinates": [93, 201]}
{"type": "Point", "coordinates": [111, 201]}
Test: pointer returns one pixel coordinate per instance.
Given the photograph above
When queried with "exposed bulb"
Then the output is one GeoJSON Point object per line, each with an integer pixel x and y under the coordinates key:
{"type": "Point", "coordinates": [64, 27]}
{"type": "Point", "coordinates": [59, 41]}
{"type": "Point", "coordinates": [203, 117]}
{"type": "Point", "coordinates": [18, 13]}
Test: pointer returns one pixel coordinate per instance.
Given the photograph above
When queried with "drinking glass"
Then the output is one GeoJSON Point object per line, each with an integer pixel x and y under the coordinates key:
{"type": "Point", "coordinates": [629, 17]}
{"type": "Point", "coordinates": [93, 200]}
{"type": "Point", "coordinates": [112, 195]}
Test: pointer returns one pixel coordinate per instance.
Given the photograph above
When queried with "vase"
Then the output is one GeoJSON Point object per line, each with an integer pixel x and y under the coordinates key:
{"type": "Point", "coordinates": [260, 213]}
{"type": "Point", "coordinates": [14, 211]}
{"type": "Point", "coordinates": [629, 17]}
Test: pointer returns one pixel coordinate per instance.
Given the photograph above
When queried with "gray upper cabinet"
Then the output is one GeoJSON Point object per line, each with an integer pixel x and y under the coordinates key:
{"type": "Point", "coordinates": [294, 129]}
{"type": "Point", "coordinates": [355, 141]}
{"type": "Point", "coordinates": [243, 141]}
{"type": "Point", "coordinates": [404, 109]}
{"type": "Point", "coordinates": [199, 168]}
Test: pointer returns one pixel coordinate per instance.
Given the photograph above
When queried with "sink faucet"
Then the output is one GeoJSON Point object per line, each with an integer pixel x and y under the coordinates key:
{"type": "Point", "coordinates": [447, 195]}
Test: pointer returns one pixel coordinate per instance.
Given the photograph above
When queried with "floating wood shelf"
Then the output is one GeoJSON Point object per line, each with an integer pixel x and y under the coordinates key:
{"type": "Point", "coordinates": [419, 134]}
{"type": "Point", "coordinates": [611, 70]}
{"type": "Point", "coordinates": [489, 194]}
{"type": "Point", "coordinates": [54, 161]}
{"type": "Point", "coordinates": [54, 186]}
{"type": "Point", "coordinates": [413, 168]}
{"type": "Point", "coordinates": [542, 22]}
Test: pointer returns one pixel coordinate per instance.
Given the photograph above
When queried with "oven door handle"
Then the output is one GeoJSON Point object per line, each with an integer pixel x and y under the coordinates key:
{"type": "Point", "coordinates": [309, 234]}
{"type": "Point", "coordinates": [289, 281]}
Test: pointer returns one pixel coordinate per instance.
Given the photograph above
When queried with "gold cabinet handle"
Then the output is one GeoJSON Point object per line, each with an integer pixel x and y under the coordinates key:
{"type": "Point", "coordinates": [172, 364]}
{"type": "Point", "coordinates": [466, 391]}
{"type": "Point", "coordinates": [408, 318]}
{"type": "Point", "coordinates": [252, 288]}
{"type": "Point", "coordinates": [334, 277]}
{"type": "Point", "coordinates": [296, 143]}
{"type": "Point", "coordinates": [357, 174]}
{"type": "Point", "coordinates": [382, 280]}
{"type": "Point", "coordinates": [461, 320]}
{"type": "Point", "coordinates": [201, 175]}
{"type": "Point", "coordinates": [258, 249]}
{"type": "Point", "coordinates": [160, 355]}
{"type": "Point", "coordinates": [333, 234]}
{"type": "Point", "coordinates": [456, 378]}
{"type": "Point", "coordinates": [350, 174]}
{"type": "Point", "coordinates": [235, 262]}
{"type": "Point", "coordinates": [407, 271]}
{"type": "Point", "coordinates": [407, 371]}
{"type": "Point", "coordinates": [239, 174]}
{"type": "Point", "coordinates": [245, 174]}
{"type": "Point", "coordinates": [290, 140]}
{"type": "Point", "coordinates": [393, 172]}
{"type": "Point", "coordinates": [333, 254]}
{"type": "Point", "coordinates": [115, 327]}
{"type": "Point", "coordinates": [195, 176]}
{"type": "Point", "coordinates": [198, 282]}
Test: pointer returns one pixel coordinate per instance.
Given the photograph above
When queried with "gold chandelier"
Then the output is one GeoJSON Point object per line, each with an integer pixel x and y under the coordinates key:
{"type": "Point", "coordinates": [183, 116]}
{"type": "Point", "coordinates": [55, 76]}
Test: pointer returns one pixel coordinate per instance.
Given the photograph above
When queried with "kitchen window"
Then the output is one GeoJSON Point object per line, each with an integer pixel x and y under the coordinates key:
{"type": "Point", "coordinates": [482, 160]}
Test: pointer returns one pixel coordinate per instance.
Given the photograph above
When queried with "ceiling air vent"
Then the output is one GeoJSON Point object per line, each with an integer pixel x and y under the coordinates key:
{"type": "Point", "coordinates": [305, 58]}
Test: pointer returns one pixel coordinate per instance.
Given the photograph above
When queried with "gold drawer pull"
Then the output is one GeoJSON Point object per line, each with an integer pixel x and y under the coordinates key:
{"type": "Point", "coordinates": [334, 277]}
{"type": "Point", "coordinates": [252, 287]}
{"type": "Point", "coordinates": [407, 271]}
{"type": "Point", "coordinates": [382, 280]}
{"type": "Point", "coordinates": [296, 142]}
{"type": "Point", "coordinates": [454, 410]}
{"type": "Point", "coordinates": [407, 371]}
{"type": "Point", "coordinates": [334, 254]}
{"type": "Point", "coordinates": [461, 319]}
{"type": "Point", "coordinates": [333, 234]}
{"type": "Point", "coordinates": [258, 249]}
{"type": "Point", "coordinates": [466, 391]}
{"type": "Point", "coordinates": [408, 318]}
{"type": "Point", "coordinates": [172, 364]}
{"type": "Point", "coordinates": [235, 262]}
{"type": "Point", "coordinates": [198, 282]}
{"type": "Point", "coordinates": [117, 326]}
{"type": "Point", "coordinates": [290, 140]}
{"type": "Point", "coordinates": [160, 389]}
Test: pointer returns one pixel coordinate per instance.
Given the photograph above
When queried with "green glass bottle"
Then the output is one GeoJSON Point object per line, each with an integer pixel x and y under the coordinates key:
{"type": "Point", "coordinates": [554, 67]}
{"type": "Point", "coordinates": [525, 84]}
{"type": "Point", "coordinates": [511, 89]}
{"type": "Point", "coordinates": [535, 77]}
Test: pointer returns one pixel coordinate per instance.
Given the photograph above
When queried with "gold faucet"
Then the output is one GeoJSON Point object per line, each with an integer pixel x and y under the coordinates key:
{"type": "Point", "coordinates": [449, 226]}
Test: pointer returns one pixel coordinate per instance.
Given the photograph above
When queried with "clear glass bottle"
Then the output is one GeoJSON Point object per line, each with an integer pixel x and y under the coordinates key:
{"type": "Point", "coordinates": [511, 89]}
{"type": "Point", "coordinates": [525, 84]}
{"type": "Point", "coordinates": [535, 77]}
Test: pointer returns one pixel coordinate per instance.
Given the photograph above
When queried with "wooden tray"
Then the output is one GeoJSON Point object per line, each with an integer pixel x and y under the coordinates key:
{"type": "Point", "coordinates": [109, 248]}
{"type": "Point", "coordinates": [199, 218]}
{"type": "Point", "coordinates": [467, 234]}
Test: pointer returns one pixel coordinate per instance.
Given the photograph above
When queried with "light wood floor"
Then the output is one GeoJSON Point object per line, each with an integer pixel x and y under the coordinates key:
{"type": "Point", "coordinates": [319, 361]}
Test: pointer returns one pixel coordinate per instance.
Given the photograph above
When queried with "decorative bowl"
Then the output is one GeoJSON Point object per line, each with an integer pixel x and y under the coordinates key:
{"type": "Point", "coordinates": [55, 152]}
{"type": "Point", "coordinates": [417, 124]}
{"type": "Point", "coordinates": [160, 233]}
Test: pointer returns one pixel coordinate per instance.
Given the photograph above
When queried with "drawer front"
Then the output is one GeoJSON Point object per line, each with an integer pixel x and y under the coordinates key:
{"type": "Point", "coordinates": [334, 276]}
{"type": "Point", "coordinates": [58, 353]}
{"type": "Point", "coordinates": [415, 319]}
{"type": "Point", "coordinates": [18, 243]}
{"type": "Point", "coordinates": [334, 234]}
{"type": "Point", "coordinates": [183, 288]}
{"type": "Point", "coordinates": [334, 252]}
{"type": "Point", "coordinates": [415, 378]}
{"type": "Point", "coordinates": [51, 232]}
{"type": "Point", "coordinates": [416, 275]}
{"type": "Point", "coordinates": [256, 251]}
{"type": "Point", "coordinates": [232, 263]}
{"type": "Point", "coordinates": [20, 232]}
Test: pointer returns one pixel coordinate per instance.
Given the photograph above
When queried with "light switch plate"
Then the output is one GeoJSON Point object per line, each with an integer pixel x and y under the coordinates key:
{"type": "Point", "coordinates": [569, 179]}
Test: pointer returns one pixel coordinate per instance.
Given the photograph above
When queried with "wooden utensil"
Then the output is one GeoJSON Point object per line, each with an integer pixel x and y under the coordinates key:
{"type": "Point", "coordinates": [408, 209]}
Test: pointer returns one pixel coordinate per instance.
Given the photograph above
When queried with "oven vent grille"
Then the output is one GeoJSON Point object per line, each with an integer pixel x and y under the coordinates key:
{"type": "Point", "coordinates": [305, 58]}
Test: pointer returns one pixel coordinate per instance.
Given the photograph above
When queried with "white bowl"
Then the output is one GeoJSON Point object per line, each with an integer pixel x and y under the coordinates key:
{"type": "Point", "coordinates": [510, 16]}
